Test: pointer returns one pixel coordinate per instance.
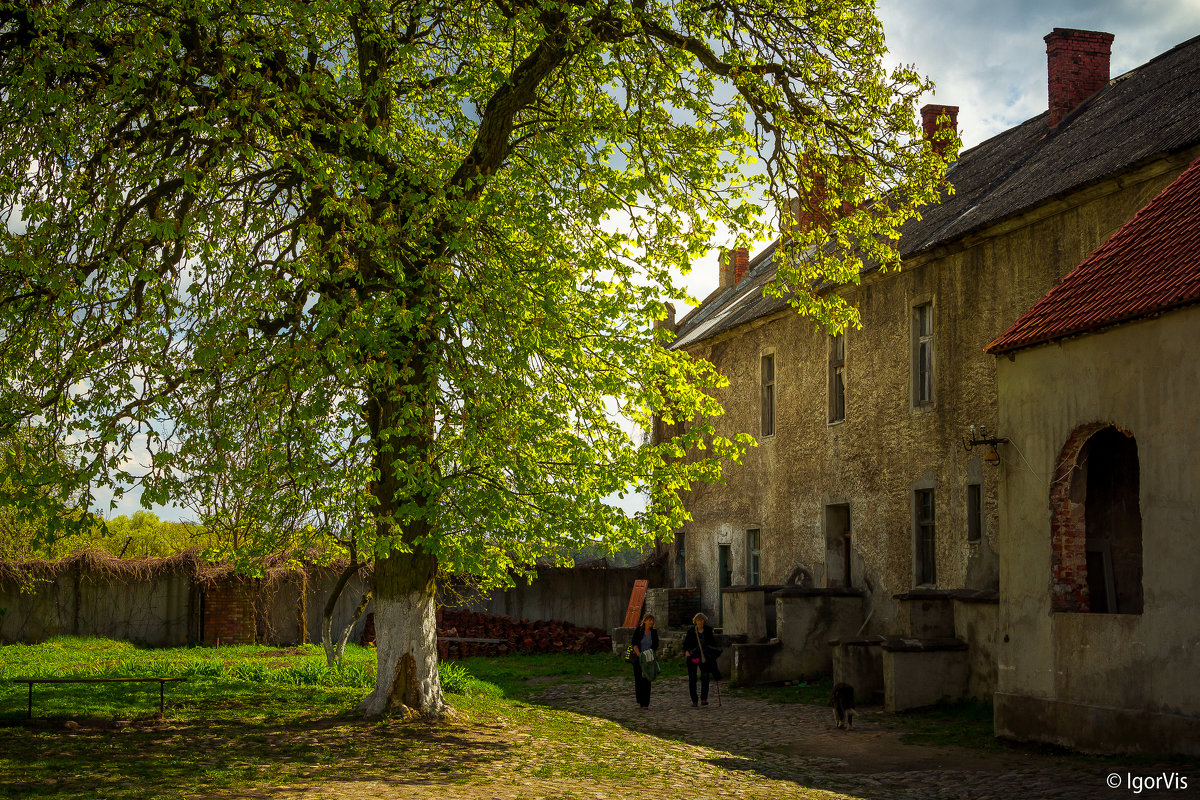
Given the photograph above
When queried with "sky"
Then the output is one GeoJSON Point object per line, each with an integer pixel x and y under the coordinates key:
{"type": "Point", "coordinates": [987, 57]}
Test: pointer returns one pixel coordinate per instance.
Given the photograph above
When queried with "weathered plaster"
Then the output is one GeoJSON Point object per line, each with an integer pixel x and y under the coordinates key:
{"type": "Point", "coordinates": [885, 447]}
{"type": "Point", "coordinates": [1142, 377]}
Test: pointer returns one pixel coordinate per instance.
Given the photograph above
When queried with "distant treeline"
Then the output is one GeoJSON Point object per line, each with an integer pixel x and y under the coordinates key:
{"type": "Point", "coordinates": [143, 534]}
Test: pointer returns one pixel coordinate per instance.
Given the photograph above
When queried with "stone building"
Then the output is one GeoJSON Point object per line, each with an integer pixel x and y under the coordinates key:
{"type": "Point", "coordinates": [864, 480]}
{"type": "Point", "coordinates": [1099, 392]}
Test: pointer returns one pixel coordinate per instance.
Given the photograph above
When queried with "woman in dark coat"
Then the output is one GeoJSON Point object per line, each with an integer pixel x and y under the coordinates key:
{"type": "Point", "coordinates": [644, 638]}
{"type": "Point", "coordinates": [698, 645]}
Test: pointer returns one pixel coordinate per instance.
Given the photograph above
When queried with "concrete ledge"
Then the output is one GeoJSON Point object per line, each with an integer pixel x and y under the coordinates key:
{"type": "Point", "coordinates": [975, 596]}
{"type": "Point", "coordinates": [1095, 729]}
{"type": "Point", "coordinates": [862, 641]}
{"type": "Point", "coordinates": [965, 595]}
{"type": "Point", "coordinates": [900, 644]}
{"type": "Point", "coordinates": [621, 638]}
{"type": "Point", "coordinates": [800, 591]}
{"type": "Point", "coordinates": [751, 587]}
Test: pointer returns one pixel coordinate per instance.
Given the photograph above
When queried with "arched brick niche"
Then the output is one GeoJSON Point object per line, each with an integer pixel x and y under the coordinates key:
{"type": "Point", "coordinates": [1096, 524]}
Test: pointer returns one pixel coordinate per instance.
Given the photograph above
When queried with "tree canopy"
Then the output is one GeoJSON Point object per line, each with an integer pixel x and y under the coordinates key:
{"type": "Point", "coordinates": [404, 258]}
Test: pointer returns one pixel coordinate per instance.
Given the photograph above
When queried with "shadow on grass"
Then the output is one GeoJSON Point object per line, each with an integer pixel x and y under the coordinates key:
{"type": "Point", "coordinates": [164, 758]}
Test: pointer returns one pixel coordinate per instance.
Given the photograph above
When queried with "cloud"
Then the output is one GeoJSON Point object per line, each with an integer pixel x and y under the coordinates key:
{"type": "Point", "coordinates": [989, 58]}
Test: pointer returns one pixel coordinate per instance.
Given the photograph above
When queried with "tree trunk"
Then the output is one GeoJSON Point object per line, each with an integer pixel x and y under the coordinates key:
{"type": "Point", "coordinates": [334, 650]}
{"type": "Point", "coordinates": [407, 680]}
{"type": "Point", "coordinates": [401, 411]}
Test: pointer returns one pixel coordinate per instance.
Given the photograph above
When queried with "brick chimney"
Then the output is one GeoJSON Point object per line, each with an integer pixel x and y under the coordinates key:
{"type": "Point", "coordinates": [806, 211]}
{"type": "Point", "coordinates": [734, 266]}
{"type": "Point", "coordinates": [669, 322]}
{"type": "Point", "coordinates": [929, 123]}
{"type": "Point", "coordinates": [1077, 68]}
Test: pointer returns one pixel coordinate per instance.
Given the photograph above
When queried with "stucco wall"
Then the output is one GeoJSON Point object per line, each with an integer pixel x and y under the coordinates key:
{"type": "Point", "coordinates": [1141, 377]}
{"type": "Point", "coordinates": [886, 448]}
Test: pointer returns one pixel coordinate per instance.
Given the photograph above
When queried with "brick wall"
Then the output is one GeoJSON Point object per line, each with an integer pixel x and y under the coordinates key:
{"type": "Point", "coordinates": [1068, 525]}
{"type": "Point", "coordinates": [229, 612]}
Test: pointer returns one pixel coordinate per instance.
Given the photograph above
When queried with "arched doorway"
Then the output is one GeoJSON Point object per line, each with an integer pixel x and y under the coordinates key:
{"type": "Point", "coordinates": [1096, 523]}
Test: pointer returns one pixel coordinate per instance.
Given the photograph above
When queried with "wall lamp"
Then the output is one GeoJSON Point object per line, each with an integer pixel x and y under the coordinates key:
{"type": "Point", "coordinates": [978, 434]}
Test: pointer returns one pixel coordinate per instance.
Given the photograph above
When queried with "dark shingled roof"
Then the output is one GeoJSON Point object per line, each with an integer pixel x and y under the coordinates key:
{"type": "Point", "coordinates": [1146, 113]}
{"type": "Point", "coordinates": [1150, 265]}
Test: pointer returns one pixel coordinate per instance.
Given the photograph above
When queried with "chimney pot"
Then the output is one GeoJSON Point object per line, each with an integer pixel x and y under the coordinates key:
{"type": "Point", "coordinates": [929, 124]}
{"type": "Point", "coordinates": [1077, 64]}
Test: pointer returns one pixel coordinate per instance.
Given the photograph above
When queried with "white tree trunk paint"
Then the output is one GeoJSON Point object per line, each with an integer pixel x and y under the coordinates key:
{"type": "Point", "coordinates": [406, 627]}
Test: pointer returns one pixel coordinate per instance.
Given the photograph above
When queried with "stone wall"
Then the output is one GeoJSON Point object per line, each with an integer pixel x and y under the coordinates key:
{"type": "Point", "coordinates": [886, 448]}
{"type": "Point", "coordinates": [672, 607]}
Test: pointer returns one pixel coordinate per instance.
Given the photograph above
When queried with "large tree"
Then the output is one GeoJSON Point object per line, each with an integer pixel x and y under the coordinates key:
{"type": "Point", "coordinates": [405, 256]}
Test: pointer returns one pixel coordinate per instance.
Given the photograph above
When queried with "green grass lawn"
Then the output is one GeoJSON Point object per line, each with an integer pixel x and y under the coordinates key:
{"type": "Point", "coordinates": [260, 716]}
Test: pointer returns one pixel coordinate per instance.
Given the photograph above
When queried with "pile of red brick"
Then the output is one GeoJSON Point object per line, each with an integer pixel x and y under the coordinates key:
{"type": "Point", "coordinates": [542, 636]}
{"type": "Point", "coordinates": [463, 633]}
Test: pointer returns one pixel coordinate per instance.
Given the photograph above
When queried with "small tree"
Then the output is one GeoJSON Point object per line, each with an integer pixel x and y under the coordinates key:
{"type": "Point", "coordinates": [423, 241]}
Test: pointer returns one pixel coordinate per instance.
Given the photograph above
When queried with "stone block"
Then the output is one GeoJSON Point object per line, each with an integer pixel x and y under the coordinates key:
{"type": "Point", "coordinates": [859, 662]}
{"type": "Point", "coordinates": [923, 673]}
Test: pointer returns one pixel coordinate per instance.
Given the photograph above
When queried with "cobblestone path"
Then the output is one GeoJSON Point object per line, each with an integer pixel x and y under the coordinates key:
{"type": "Point", "coordinates": [590, 741]}
{"type": "Point", "coordinates": [798, 746]}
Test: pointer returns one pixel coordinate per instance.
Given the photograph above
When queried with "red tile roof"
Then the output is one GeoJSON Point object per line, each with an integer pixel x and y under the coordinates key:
{"type": "Point", "coordinates": [1150, 265]}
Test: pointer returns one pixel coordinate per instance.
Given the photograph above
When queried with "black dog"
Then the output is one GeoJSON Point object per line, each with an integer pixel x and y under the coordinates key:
{"type": "Point", "coordinates": [843, 705]}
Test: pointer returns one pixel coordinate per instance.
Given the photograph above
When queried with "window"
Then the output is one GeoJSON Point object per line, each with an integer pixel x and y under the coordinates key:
{"type": "Point", "coordinates": [768, 394]}
{"type": "Point", "coordinates": [925, 572]}
{"type": "Point", "coordinates": [681, 559]}
{"type": "Point", "coordinates": [753, 545]}
{"type": "Point", "coordinates": [923, 354]}
{"type": "Point", "coordinates": [724, 566]}
{"type": "Point", "coordinates": [974, 512]}
{"type": "Point", "coordinates": [838, 558]}
{"type": "Point", "coordinates": [837, 377]}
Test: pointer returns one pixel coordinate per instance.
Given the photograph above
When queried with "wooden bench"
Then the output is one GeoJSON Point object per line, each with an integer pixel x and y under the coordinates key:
{"type": "Point", "coordinates": [162, 682]}
{"type": "Point", "coordinates": [461, 640]}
